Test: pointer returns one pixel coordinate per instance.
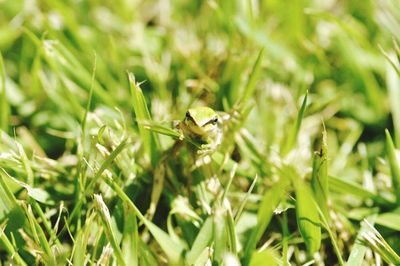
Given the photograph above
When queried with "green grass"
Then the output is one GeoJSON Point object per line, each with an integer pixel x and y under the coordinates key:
{"type": "Point", "coordinates": [92, 168]}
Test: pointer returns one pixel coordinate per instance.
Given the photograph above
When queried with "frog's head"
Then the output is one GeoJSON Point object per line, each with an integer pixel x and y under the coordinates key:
{"type": "Point", "coordinates": [201, 120]}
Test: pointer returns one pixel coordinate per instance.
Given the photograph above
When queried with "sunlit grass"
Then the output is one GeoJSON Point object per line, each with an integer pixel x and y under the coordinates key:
{"type": "Point", "coordinates": [94, 170]}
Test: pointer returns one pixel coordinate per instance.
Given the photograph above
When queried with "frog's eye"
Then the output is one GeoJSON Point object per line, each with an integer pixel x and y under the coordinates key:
{"type": "Point", "coordinates": [212, 121]}
{"type": "Point", "coordinates": [189, 118]}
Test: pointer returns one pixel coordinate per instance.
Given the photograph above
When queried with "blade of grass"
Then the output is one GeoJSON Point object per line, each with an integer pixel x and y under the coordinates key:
{"type": "Point", "coordinates": [64, 61]}
{"type": "Point", "coordinates": [348, 187]}
{"type": "Point", "coordinates": [378, 244]}
{"type": "Point", "coordinates": [157, 128]}
{"type": "Point", "coordinates": [308, 220]}
{"type": "Point", "coordinates": [243, 204]}
{"type": "Point", "coordinates": [230, 225]}
{"type": "Point", "coordinates": [393, 85]}
{"type": "Point", "coordinates": [203, 240]}
{"type": "Point", "coordinates": [8, 198]}
{"type": "Point", "coordinates": [8, 246]}
{"type": "Point", "coordinates": [266, 209]}
{"type": "Point", "coordinates": [264, 257]}
{"type": "Point", "coordinates": [394, 165]}
{"type": "Point", "coordinates": [40, 237]}
{"type": "Point", "coordinates": [231, 176]}
{"type": "Point", "coordinates": [171, 248]}
{"type": "Point", "coordinates": [219, 236]}
{"type": "Point", "coordinates": [104, 213]}
{"type": "Point", "coordinates": [45, 222]}
{"type": "Point", "coordinates": [81, 174]}
{"type": "Point", "coordinates": [251, 82]}
{"type": "Point", "coordinates": [294, 132]}
{"type": "Point", "coordinates": [357, 253]}
{"type": "Point", "coordinates": [107, 162]}
{"type": "Point", "coordinates": [389, 220]}
{"type": "Point", "coordinates": [327, 227]}
{"type": "Point", "coordinates": [319, 178]}
{"type": "Point", "coordinates": [27, 165]}
{"type": "Point", "coordinates": [389, 59]}
{"type": "Point", "coordinates": [4, 106]}
{"type": "Point", "coordinates": [81, 242]}
{"type": "Point", "coordinates": [285, 240]}
{"type": "Point", "coordinates": [150, 141]}
{"type": "Point", "coordinates": [130, 238]}
{"type": "Point", "coordinates": [228, 165]}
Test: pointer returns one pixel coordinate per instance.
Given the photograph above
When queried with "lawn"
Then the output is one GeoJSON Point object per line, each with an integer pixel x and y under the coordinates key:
{"type": "Point", "coordinates": [216, 132]}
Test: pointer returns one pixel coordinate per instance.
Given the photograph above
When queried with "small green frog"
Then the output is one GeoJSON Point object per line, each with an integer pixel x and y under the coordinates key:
{"type": "Point", "coordinates": [203, 125]}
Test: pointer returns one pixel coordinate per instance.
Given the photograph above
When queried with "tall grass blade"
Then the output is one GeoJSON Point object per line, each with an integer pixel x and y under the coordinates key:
{"type": "Point", "coordinates": [319, 178]}
{"type": "Point", "coordinates": [294, 132]}
{"type": "Point", "coordinates": [130, 238]}
{"type": "Point", "coordinates": [82, 241]}
{"type": "Point", "coordinates": [308, 220]}
{"type": "Point", "coordinates": [394, 165]}
{"type": "Point", "coordinates": [104, 213]}
{"type": "Point", "coordinates": [254, 76]}
{"type": "Point", "coordinates": [150, 141]}
{"type": "Point", "coordinates": [4, 106]}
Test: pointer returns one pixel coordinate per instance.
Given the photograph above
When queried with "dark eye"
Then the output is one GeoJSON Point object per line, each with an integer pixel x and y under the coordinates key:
{"type": "Point", "coordinates": [213, 121]}
{"type": "Point", "coordinates": [187, 114]}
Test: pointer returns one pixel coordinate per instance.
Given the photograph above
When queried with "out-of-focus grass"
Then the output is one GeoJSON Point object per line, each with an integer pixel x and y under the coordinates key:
{"type": "Point", "coordinates": [89, 173]}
